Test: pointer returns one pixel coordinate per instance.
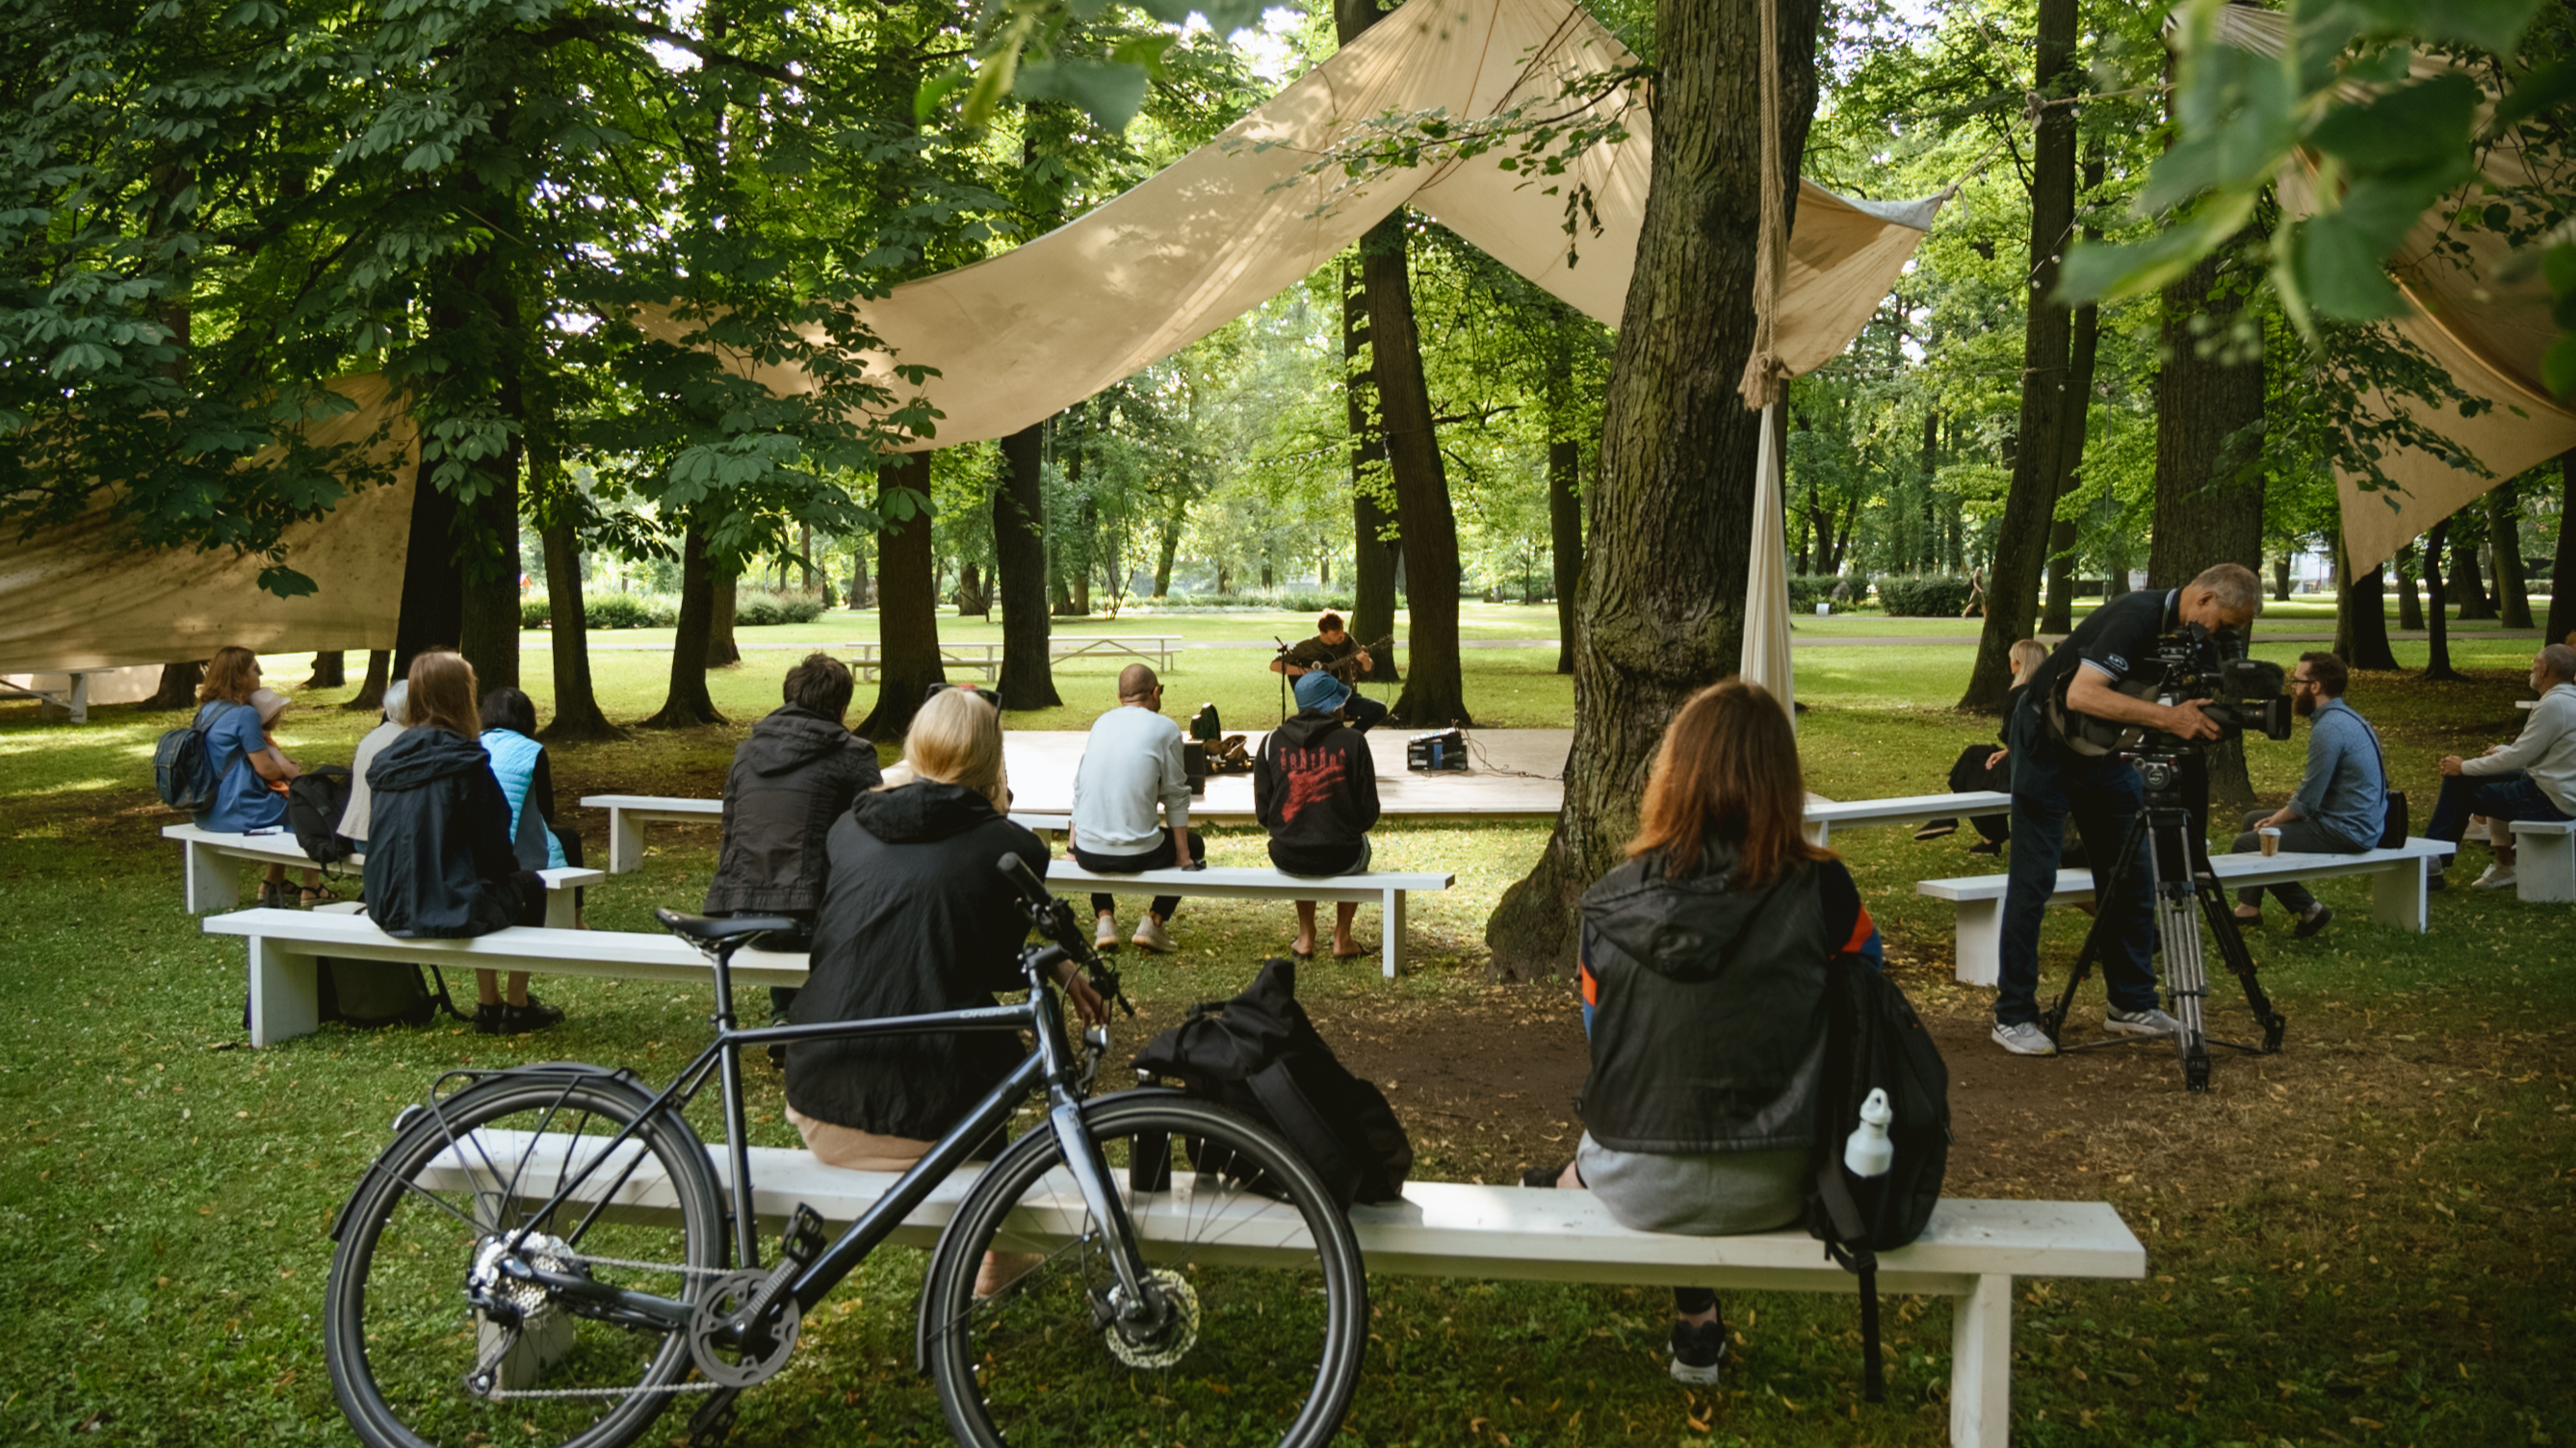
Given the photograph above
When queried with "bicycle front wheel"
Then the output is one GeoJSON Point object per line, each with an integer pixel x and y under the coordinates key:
{"type": "Point", "coordinates": [1265, 1302]}
{"type": "Point", "coordinates": [415, 1362]}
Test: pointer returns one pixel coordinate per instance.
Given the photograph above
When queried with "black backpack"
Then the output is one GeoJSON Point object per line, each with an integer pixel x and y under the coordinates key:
{"type": "Point", "coordinates": [182, 769]}
{"type": "Point", "coordinates": [1874, 1040]}
{"type": "Point", "coordinates": [1259, 1055]}
{"type": "Point", "coordinates": [369, 994]}
{"type": "Point", "coordinates": [315, 800]}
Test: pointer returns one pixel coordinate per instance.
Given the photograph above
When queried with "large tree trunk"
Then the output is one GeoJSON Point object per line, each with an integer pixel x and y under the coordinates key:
{"type": "Point", "coordinates": [725, 596]}
{"type": "Point", "coordinates": [1372, 556]}
{"type": "Point", "coordinates": [2021, 542]}
{"type": "Point", "coordinates": [2562, 569]}
{"type": "Point", "coordinates": [178, 687]}
{"type": "Point", "coordinates": [2059, 616]}
{"type": "Point", "coordinates": [1019, 556]}
{"type": "Point", "coordinates": [2437, 618]}
{"type": "Point", "coordinates": [371, 692]}
{"type": "Point", "coordinates": [433, 592]}
{"type": "Point", "coordinates": [1565, 544]}
{"type": "Point", "coordinates": [330, 670]}
{"type": "Point", "coordinates": [907, 598]}
{"type": "Point", "coordinates": [577, 712]}
{"type": "Point", "coordinates": [687, 704]}
{"type": "Point", "coordinates": [1671, 506]}
{"type": "Point", "coordinates": [2504, 534]}
{"type": "Point", "coordinates": [2468, 585]}
{"type": "Point", "coordinates": [2361, 617]}
{"type": "Point", "coordinates": [1435, 691]}
{"type": "Point", "coordinates": [2410, 608]}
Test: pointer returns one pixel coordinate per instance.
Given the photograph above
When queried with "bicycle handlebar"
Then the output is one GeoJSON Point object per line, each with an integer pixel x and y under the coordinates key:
{"type": "Point", "coordinates": [1054, 919]}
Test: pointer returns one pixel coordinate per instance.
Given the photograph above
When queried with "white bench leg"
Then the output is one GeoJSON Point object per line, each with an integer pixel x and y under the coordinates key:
{"type": "Point", "coordinates": [1818, 831]}
{"type": "Point", "coordinates": [214, 879]}
{"type": "Point", "coordinates": [1979, 942]}
{"type": "Point", "coordinates": [1391, 931]}
{"type": "Point", "coordinates": [560, 914]}
{"type": "Point", "coordinates": [1981, 1366]}
{"type": "Point", "coordinates": [2544, 868]}
{"type": "Point", "coordinates": [625, 843]}
{"type": "Point", "coordinates": [285, 993]}
{"type": "Point", "coordinates": [80, 698]}
{"type": "Point", "coordinates": [2398, 898]}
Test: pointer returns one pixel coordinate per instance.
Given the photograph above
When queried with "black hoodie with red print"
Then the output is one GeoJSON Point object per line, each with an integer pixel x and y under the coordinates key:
{"type": "Point", "coordinates": [1315, 789]}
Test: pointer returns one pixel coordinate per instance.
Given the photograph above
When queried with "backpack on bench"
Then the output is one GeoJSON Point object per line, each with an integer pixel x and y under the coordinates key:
{"type": "Point", "coordinates": [1875, 1041]}
{"type": "Point", "coordinates": [315, 801]}
{"type": "Point", "coordinates": [1260, 1056]}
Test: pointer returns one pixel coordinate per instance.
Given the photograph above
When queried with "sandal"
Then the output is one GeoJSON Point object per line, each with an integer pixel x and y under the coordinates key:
{"type": "Point", "coordinates": [1363, 953]}
{"type": "Point", "coordinates": [272, 895]}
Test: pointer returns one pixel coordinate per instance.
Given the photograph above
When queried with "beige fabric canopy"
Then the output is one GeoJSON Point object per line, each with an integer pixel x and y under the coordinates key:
{"type": "Point", "coordinates": [2487, 332]}
{"type": "Point", "coordinates": [1037, 329]}
{"type": "Point", "coordinates": [86, 596]}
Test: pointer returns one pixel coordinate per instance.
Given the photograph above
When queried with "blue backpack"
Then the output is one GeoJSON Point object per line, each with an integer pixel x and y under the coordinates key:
{"type": "Point", "coordinates": [183, 769]}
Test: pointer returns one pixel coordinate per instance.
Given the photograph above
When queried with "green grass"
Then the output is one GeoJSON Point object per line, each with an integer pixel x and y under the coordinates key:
{"type": "Point", "coordinates": [2361, 1240]}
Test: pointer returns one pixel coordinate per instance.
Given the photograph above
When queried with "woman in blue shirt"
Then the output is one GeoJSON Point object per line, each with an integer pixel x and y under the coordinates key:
{"type": "Point", "coordinates": [244, 762]}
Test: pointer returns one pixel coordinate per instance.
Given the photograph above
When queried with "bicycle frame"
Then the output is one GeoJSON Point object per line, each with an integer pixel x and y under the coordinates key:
{"type": "Point", "coordinates": [1052, 1067]}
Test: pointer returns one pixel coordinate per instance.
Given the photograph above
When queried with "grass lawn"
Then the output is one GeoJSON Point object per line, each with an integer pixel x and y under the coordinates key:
{"type": "Point", "coordinates": [2361, 1240]}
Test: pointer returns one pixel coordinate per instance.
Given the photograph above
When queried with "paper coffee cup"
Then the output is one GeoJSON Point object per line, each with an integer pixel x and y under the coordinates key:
{"type": "Point", "coordinates": [2271, 840]}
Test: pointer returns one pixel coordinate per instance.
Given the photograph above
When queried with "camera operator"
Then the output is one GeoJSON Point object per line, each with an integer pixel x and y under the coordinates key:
{"type": "Point", "coordinates": [2056, 776]}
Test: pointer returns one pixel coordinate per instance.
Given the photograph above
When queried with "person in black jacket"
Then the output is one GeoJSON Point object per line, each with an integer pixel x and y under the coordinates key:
{"type": "Point", "coordinates": [1314, 788]}
{"type": "Point", "coordinates": [915, 918]}
{"type": "Point", "coordinates": [1703, 974]}
{"type": "Point", "coordinates": [440, 864]}
{"type": "Point", "coordinates": [1989, 766]}
{"type": "Point", "coordinates": [790, 780]}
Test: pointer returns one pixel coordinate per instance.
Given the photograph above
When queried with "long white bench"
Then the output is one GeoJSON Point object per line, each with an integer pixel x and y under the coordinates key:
{"type": "Point", "coordinates": [285, 995]}
{"type": "Point", "coordinates": [628, 814]}
{"type": "Point", "coordinates": [211, 862]}
{"type": "Point", "coordinates": [2544, 868]}
{"type": "Point", "coordinates": [2397, 897]}
{"type": "Point", "coordinates": [1219, 882]}
{"type": "Point", "coordinates": [1971, 1251]}
{"type": "Point", "coordinates": [1823, 814]}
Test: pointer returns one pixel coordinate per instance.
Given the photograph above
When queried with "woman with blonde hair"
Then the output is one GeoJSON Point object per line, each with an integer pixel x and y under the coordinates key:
{"type": "Point", "coordinates": [1982, 766]}
{"type": "Point", "coordinates": [1702, 965]}
{"type": "Point", "coordinates": [440, 864]}
{"type": "Point", "coordinates": [251, 773]}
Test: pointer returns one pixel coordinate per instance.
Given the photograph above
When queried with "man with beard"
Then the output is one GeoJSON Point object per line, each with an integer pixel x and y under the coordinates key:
{"type": "Point", "coordinates": [2342, 799]}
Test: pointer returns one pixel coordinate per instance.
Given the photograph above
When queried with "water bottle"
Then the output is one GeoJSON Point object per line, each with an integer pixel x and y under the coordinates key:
{"type": "Point", "coordinates": [1867, 1152]}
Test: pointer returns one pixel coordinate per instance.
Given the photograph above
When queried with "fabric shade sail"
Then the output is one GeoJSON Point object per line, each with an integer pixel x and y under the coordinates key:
{"type": "Point", "coordinates": [85, 595]}
{"type": "Point", "coordinates": [1029, 333]}
{"type": "Point", "coordinates": [2466, 313]}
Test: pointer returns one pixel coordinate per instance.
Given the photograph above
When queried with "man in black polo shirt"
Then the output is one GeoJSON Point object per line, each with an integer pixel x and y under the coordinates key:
{"type": "Point", "coordinates": [1333, 651]}
{"type": "Point", "coordinates": [2052, 781]}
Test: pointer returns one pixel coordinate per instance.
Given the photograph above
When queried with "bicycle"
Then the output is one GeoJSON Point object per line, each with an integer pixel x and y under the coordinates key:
{"type": "Point", "coordinates": [545, 1255]}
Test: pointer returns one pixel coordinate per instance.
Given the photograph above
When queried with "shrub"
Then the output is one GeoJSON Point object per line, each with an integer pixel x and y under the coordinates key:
{"type": "Point", "coordinates": [629, 610]}
{"type": "Point", "coordinates": [1806, 590]}
{"type": "Point", "coordinates": [1300, 600]}
{"type": "Point", "coordinates": [759, 607]}
{"type": "Point", "coordinates": [534, 610]}
{"type": "Point", "coordinates": [1938, 596]}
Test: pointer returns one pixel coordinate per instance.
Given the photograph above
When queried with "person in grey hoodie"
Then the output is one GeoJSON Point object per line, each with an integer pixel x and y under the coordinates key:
{"type": "Point", "coordinates": [2533, 778]}
{"type": "Point", "coordinates": [795, 775]}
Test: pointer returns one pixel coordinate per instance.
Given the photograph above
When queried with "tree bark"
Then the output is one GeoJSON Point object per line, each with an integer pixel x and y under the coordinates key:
{"type": "Point", "coordinates": [2410, 609]}
{"type": "Point", "coordinates": [577, 712]}
{"type": "Point", "coordinates": [725, 596]}
{"type": "Point", "coordinates": [1670, 508]}
{"type": "Point", "coordinates": [907, 599]}
{"type": "Point", "coordinates": [1019, 557]}
{"type": "Point", "coordinates": [687, 705]}
{"type": "Point", "coordinates": [2468, 585]}
{"type": "Point", "coordinates": [178, 688]}
{"type": "Point", "coordinates": [1168, 548]}
{"type": "Point", "coordinates": [2209, 416]}
{"type": "Point", "coordinates": [371, 692]}
{"type": "Point", "coordinates": [2021, 541]}
{"type": "Point", "coordinates": [2504, 535]}
{"type": "Point", "coordinates": [2059, 616]}
{"type": "Point", "coordinates": [2361, 617]}
{"type": "Point", "coordinates": [330, 670]}
{"type": "Point", "coordinates": [433, 593]}
{"type": "Point", "coordinates": [1372, 555]}
{"type": "Point", "coordinates": [1434, 686]}
{"type": "Point", "coordinates": [2562, 569]}
{"type": "Point", "coordinates": [2437, 620]}
{"type": "Point", "coordinates": [1565, 545]}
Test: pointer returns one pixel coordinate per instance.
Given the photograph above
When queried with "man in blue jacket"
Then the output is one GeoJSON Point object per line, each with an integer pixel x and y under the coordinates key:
{"type": "Point", "coordinates": [2342, 799]}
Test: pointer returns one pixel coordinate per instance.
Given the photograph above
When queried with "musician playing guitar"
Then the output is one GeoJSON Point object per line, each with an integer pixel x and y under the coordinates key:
{"type": "Point", "coordinates": [1332, 650]}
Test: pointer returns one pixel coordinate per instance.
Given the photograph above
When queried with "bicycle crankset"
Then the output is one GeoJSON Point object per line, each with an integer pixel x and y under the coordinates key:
{"type": "Point", "coordinates": [744, 1357]}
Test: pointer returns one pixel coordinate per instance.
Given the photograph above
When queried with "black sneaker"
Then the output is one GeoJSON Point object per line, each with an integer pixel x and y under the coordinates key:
{"type": "Point", "coordinates": [1542, 1176]}
{"type": "Point", "coordinates": [487, 1019]}
{"type": "Point", "coordinates": [1699, 1351]}
{"type": "Point", "coordinates": [536, 1015]}
{"type": "Point", "coordinates": [2311, 924]}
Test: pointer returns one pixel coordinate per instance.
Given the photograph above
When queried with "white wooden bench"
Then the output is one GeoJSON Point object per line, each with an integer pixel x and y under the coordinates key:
{"type": "Point", "coordinates": [212, 860]}
{"type": "Point", "coordinates": [1971, 1250]}
{"type": "Point", "coordinates": [72, 698]}
{"type": "Point", "coordinates": [1222, 882]}
{"type": "Point", "coordinates": [2397, 897]}
{"type": "Point", "coordinates": [2544, 869]}
{"type": "Point", "coordinates": [1823, 814]}
{"type": "Point", "coordinates": [284, 985]}
{"type": "Point", "coordinates": [628, 814]}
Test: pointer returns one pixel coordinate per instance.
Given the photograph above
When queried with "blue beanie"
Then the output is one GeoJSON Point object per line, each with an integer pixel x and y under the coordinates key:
{"type": "Point", "coordinates": [1319, 690]}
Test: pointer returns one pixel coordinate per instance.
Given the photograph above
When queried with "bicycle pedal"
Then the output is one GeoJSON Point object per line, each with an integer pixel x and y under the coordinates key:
{"type": "Point", "coordinates": [712, 1424]}
{"type": "Point", "coordinates": [804, 1239]}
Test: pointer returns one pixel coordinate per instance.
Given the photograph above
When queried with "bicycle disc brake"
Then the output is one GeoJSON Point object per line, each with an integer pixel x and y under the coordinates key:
{"type": "Point", "coordinates": [724, 1359]}
{"type": "Point", "coordinates": [1171, 1341]}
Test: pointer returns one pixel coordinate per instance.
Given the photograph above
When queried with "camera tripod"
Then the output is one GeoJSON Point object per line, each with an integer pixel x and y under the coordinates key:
{"type": "Point", "coordinates": [2164, 842]}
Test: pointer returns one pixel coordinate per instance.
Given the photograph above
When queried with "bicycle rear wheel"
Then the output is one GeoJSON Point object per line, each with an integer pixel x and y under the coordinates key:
{"type": "Point", "coordinates": [1270, 1303]}
{"type": "Point", "coordinates": [415, 1364]}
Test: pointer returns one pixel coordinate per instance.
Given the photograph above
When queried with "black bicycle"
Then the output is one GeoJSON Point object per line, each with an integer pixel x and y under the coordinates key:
{"type": "Point", "coordinates": [546, 1254]}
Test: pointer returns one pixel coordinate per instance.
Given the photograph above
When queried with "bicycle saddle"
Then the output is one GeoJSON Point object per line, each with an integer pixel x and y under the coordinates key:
{"type": "Point", "coordinates": [713, 928]}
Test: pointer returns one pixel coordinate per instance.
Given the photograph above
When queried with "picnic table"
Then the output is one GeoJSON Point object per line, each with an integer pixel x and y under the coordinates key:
{"type": "Point", "coordinates": [72, 699]}
{"type": "Point", "coordinates": [985, 659]}
{"type": "Point", "coordinates": [1155, 649]}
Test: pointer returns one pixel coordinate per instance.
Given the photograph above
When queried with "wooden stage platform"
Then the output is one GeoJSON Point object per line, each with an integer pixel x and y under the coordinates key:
{"type": "Point", "coordinates": [1042, 763]}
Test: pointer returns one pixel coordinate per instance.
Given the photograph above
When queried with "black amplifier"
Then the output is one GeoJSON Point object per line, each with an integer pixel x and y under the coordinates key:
{"type": "Point", "coordinates": [1446, 749]}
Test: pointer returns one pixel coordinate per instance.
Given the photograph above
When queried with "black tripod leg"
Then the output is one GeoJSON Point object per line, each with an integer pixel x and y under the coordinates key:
{"type": "Point", "coordinates": [2053, 1020]}
{"type": "Point", "coordinates": [2240, 961]}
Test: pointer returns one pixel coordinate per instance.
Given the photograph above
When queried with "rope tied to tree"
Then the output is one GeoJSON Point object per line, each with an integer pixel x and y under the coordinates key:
{"type": "Point", "coordinates": [1763, 370]}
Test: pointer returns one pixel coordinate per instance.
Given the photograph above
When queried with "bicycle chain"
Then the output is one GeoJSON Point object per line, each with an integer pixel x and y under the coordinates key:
{"type": "Point", "coordinates": [510, 1340]}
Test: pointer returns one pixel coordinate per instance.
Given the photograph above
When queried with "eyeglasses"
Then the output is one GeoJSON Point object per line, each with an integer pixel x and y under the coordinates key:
{"type": "Point", "coordinates": [2299, 683]}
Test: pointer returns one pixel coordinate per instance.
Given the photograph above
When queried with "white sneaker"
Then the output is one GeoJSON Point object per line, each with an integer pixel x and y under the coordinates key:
{"type": "Point", "coordinates": [1150, 938]}
{"type": "Point", "coordinates": [2026, 1039]}
{"type": "Point", "coordinates": [2148, 1022]}
{"type": "Point", "coordinates": [1104, 934]}
{"type": "Point", "coordinates": [2497, 877]}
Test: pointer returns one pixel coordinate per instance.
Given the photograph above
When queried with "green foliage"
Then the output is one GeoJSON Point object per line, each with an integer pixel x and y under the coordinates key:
{"type": "Point", "coordinates": [1940, 596]}
{"type": "Point", "coordinates": [758, 607]}
{"type": "Point", "coordinates": [630, 610]}
{"type": "Point", "coordinates": [1273, 600]}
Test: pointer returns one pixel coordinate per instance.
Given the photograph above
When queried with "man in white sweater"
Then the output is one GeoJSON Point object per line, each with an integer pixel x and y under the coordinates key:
{"type": "Point", "coordinates": [1131, 769]}
{"type": "Point", "coordinates": [2533, 778]}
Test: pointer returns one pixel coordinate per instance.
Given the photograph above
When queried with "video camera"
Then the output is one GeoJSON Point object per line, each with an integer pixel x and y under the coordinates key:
{"type": "Point", "coordinates": [2189, 665]}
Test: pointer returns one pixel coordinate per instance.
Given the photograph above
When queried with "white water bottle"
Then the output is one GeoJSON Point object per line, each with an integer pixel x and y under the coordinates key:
{"type": "Point", "coordinates": [1867, 1152]}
